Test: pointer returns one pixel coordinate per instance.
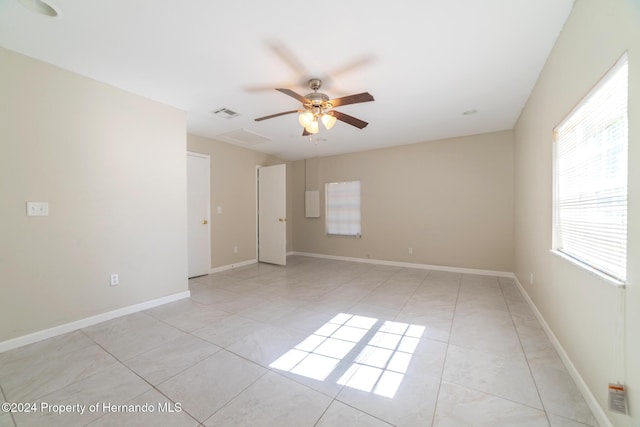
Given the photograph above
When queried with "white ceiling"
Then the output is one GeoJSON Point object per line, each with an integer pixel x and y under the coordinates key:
{"type": "Point", "coordinates": [424, 61]}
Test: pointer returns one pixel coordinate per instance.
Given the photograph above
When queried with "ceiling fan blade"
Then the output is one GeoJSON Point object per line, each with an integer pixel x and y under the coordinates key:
{"type": "Point", "coordinates": [349, 119]}
{"type": "Point", "coordinates": [305, 132]}
{"type": "Point", "coordinates": [264, 88]}
{"type": "Point", "coordinates": [352, 99]}
{"type": "Point", "coordinates": [259, 119]}
{"type": "Point", "coordinates": [364, 60]}
{"type": "Point", "coordinates": [289, 58]}
{"type": "Point", "coordinates": [293, 95]}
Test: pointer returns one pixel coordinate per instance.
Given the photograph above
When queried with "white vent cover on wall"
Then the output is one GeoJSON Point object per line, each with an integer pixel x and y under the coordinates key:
{"type": "Point", "coordinates": [242, 137]}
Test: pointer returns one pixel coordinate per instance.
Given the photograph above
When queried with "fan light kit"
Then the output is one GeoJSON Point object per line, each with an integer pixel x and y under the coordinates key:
{"type": "Point", "coordinates": [318, 107]}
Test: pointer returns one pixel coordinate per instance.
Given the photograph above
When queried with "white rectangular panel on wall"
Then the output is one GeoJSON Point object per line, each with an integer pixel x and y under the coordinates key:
{"type": "Point", "coordinates": [312, 204]}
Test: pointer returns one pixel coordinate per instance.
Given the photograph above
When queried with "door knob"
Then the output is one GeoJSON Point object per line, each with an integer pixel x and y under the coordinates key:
{"type": "Point", "coordinates": [282, 219]}
{"type": "Point", "coordinates": [204, 221]}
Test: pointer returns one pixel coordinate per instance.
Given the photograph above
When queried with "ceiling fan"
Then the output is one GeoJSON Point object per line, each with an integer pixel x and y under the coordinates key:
{"type": "Point", "coordinates": [317, 106]}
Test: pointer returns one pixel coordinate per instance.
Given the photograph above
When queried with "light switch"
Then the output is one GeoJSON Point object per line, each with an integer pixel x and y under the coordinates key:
{"type": "Point", "coordinates": [219, 209]}
{"type": "Point", "coordinates": [37, 209]}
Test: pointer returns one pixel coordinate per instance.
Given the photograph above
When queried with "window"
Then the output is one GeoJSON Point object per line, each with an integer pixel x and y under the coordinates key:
{"type": "Point", "coordinates": [590, 223]}
{"type": "Point", "coordinates": [343, 208]}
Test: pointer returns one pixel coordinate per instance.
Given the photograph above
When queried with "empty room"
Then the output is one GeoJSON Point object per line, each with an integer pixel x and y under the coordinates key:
{"type": "Point", "coordinates": [423, 213]}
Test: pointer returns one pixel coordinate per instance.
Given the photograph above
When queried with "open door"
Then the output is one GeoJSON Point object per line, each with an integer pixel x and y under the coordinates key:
{"type": "Point", "coordinates": [272, 209]}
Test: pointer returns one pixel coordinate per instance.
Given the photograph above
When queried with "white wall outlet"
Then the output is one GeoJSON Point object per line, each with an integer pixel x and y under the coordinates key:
{"type": "Point", "coordinates": [114, 279]}
{"type": "Point", "coordinates": [531, 278]}
{"type": "Point", "coordinates": [37, 209]}
{"type": "Point", "coordinates": [410, 251]}
{"type": "Point", "coordinates": [235, 249]}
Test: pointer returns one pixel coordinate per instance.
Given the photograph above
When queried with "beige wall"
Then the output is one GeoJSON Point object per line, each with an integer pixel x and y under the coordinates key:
{"type": "Point", "coordinates": [112, 167]}
{"type": "Point", "coordinates": [233, 187]}
{"type": "Point", "coordinates": [450, 200]}
{"type": "Point", "coordinates": [579, 307]}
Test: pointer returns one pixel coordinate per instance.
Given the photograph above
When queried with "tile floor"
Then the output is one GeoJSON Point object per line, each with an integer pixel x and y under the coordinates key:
{"type": "Point", "coordinates": [318, 343]}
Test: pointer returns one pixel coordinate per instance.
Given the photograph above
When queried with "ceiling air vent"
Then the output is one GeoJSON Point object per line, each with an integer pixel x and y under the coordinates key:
{"type": "Point", "coordinates": [225, 113]}
{"type": "Point", "coordinates": [242, 137]}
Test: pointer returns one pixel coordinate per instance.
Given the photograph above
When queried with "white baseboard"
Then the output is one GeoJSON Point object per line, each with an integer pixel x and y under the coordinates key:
{"type": "Point", "coordinates": [230, 266]}
{"type": "Point", "coordinates": [408, 264]}
{"type": "Point", "coordinates": [88, 321]}
{"type": "Point", "coordinates": [591, 400]}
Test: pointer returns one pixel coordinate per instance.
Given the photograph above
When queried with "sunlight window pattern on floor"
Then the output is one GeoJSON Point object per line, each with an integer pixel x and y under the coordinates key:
{"type": "Point", "coordinates": [379, 366]}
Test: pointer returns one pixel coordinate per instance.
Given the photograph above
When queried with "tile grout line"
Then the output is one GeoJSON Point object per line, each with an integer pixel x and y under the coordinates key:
{"type": "Point", "coordinates": [324, 412]}
{"type": "Point", "coordinates": [268, 370]}
{"type": "Point", "coordinates": [359, 410]}
{"type": "Point", "coordinates": [65, 354]}
{"type": "Point", "coordinates": [335, 399]}
{"type": "Point", "coordinates": [411, 296]}
{"type": "Point", "coordinates": [153, 387]}
{"type": "Point", "coordinates": [368, 293]}
{"type": "Point", "coordinates": [444, 362]}
{"type": "Point", "coordinates": [502, 357]}
{"type": "Point", "coordinates": [4, 397]}
{"type": "Point", "coordinates": [546, 414]}
{"type": "Point", "coordinates": [221, 348]}
{"type": "Point", "coordinates": [237, 395]}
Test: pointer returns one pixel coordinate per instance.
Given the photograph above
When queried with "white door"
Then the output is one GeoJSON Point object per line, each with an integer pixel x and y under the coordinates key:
{"type": "Point", "coordinates": [198, 227]}
{"type": "Point", "coordinates": [272, 209]}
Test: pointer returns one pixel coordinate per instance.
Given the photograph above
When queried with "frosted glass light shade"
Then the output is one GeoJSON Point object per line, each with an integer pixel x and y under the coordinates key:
{"type": "Point", "coordinates": [313, 127]}
{"type": "Point", "coordinates": [305, 119]}
{"type": "Point", "coordinates": [328, 121]}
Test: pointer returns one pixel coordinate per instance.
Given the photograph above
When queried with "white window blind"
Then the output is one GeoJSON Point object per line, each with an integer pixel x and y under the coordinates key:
{"type": "Point", "coordinates": [343, 208]}
{"type": "Point", "coordinates": [591, 177]}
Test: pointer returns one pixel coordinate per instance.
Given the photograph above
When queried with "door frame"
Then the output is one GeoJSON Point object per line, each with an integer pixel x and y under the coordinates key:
{"type": "Point", "coordinates": [258, 212]}
{"type": "Point", "coordinates": [209, 240]}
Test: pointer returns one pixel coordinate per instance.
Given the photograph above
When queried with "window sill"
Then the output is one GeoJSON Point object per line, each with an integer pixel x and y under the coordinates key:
{"type": "Point", "coordinates": [600, 275]}
{"type": "Point", "coordinates": [348, 236]}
